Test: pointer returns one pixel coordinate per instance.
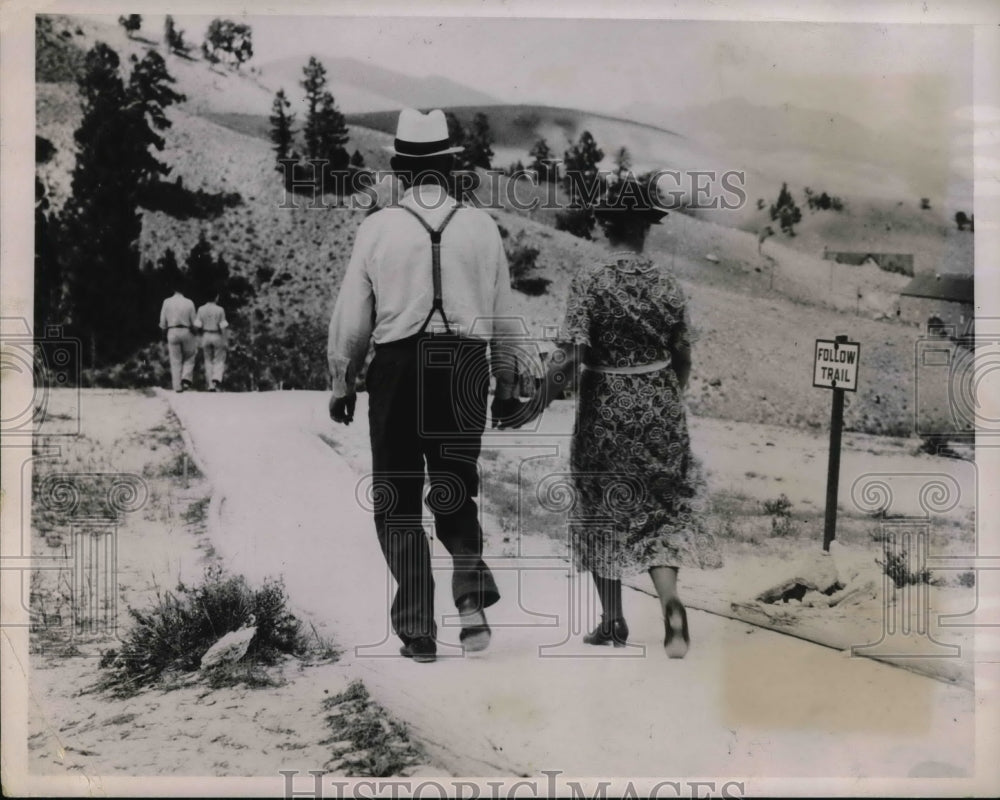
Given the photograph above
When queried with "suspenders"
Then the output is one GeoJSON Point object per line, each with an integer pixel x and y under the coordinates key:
{"type": "Point", "coordinates": [435, 235]}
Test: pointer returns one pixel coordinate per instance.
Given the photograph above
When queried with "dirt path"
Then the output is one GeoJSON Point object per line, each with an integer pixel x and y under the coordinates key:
{"type": "Point", "coordinates": [745, 701]}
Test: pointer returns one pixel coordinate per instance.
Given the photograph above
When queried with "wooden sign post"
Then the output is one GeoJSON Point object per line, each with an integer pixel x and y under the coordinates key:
{"type": "Point", "coordinates": [835, 367]}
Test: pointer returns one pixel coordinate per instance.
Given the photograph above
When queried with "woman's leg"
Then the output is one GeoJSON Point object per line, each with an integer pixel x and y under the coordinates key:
{"type": "Point", "coordinates": [665, 582]}
{"type": "Point", "coordinates": [675, 626]}
{"type": "Point", "coordinates": [612, 629]}
{"type": "Point", "coordinates": [609, 590]}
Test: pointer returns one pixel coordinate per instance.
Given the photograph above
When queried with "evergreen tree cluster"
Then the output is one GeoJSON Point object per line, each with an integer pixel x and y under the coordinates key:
{"type": "Point", "coordinates": [173, 37]}
{"type": "Point", "coordinates": [476, 141]}
{"type": "Point", "coordinates": [785, 212]}
{"type": "Point", "coordinates": [228, 39]}
{"type": "Point", "coordinates": [131, 23]}
{"type": "Point", "coordinates": [324, 136]}
{"type": "Point", "coordinates": [823, 201]}
{"type": "Point", "coordinates": [543, 162]}
{"type": "Point", "coordinates": [584, 185]}
{"type": "Point", "coordinates": [91, 280]}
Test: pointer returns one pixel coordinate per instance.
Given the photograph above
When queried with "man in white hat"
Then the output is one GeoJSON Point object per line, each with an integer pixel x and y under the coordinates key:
{"type": "Point", "coordinates": [429, 282]}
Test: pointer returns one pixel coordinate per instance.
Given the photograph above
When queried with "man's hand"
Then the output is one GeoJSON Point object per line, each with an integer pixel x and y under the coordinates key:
{"type": "Point", "coordinates": [512, 413]}
{"type": "Point", "coordinates": [503, 410]}
{"type": "Point", "coordinates": [342, 408]}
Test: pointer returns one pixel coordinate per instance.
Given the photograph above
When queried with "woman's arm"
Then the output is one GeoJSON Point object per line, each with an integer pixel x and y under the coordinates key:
{"type": "Point", "coordinates": [680, 353]}
{"type": "Point", "coordinates": [680, 356]}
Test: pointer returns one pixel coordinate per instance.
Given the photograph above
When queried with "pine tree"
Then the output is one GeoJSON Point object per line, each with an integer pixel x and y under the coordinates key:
{"type": "Point", "coordinates": [583, 180]}
{"type": "Point", "coordinates": [785, 211]}
{"type": "Point", "coordinates": [149, 96]}
{"type": "Point", "coordinates": [206, 275]}
{"type": "Point", "coordinates": [225, 37]}
{"type": "Point", "coordinates": [623, 163]}
{"type": "Point", "coordinates": [357, 160]}
{"type": "Point", "coordinates": [282, 134]}
{"type": "Point", "coordinates": [333, 134]}
{"type": "Point", "coordinates": [543, 162]}
{"type": "Point", "coordinates": [173, 37]}
{"type": "Point", "coordinates": [479, 150]}
{"type": "Point", "coordinates": [101, 225]}
{"type": "Point", "coordinates": [314, 84]}
{"type": "Point", "coordinates": [459, 138]}
{"type": "Point", "coordinates": [131, 23]}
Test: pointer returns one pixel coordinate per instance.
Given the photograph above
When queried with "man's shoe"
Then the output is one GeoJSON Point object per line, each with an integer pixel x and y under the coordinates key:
{"type": "Point", "coordinates": [475, 634]}
{"type": "Point", "coordinates": [422, 650]}
{"type": "Point", "coordinates": [185, 385]}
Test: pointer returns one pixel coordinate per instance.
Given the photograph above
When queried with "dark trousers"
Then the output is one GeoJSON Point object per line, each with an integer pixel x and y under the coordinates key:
{"type": "Point", "coordinates": [427, 410]}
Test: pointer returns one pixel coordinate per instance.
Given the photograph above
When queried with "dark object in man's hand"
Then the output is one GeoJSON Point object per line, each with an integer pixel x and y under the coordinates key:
{"type": "Point", "coordinates": [342, 408]}
{"type": "Point", "coordinates": [510, 412]}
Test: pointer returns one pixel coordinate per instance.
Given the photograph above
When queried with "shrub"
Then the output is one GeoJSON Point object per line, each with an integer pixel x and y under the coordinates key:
{"type": "Point", "coordinates": [182, 625]}
{"type": "Point", "coordinates": [577, 221]}
{"type": "Point", "coordinates": [182, 203]}
{"type": "Point", "coordinates": [380, 746]}
{"type": "Point", "coordinates": [780, 510]}
{"type": "Point", "coordinates": [779, 507]}
{"type": "Point", "coordinates": [522, 259]}
{"type": "Point", "coordinates": [896, 567]}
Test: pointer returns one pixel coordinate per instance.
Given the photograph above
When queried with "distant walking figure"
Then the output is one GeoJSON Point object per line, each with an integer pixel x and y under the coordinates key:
{"type": "Point", "coordinates": [177, 319]}
{"type": "Point", "coordinates": [423, 272]}
{"type": "Point", "coordinates": [637, 482]}
{"type": "Point", "coordinates": [211, 322]}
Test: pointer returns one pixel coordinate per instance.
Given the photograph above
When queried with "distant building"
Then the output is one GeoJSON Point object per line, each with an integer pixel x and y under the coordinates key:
{"type": "Point", "coordinates": [939, 300]}
{"type": "Point", "coordinates": [890, 262]}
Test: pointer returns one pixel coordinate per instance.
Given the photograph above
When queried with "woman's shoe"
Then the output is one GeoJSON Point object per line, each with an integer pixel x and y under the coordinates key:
{"type": "Point", "coordinates": [675, 624]}
{"type": "Point", "coordinates": [613, 632]}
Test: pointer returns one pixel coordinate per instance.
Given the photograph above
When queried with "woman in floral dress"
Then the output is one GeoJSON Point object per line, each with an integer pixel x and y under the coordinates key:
{"type": "Point", "coordinates": [638, 485]}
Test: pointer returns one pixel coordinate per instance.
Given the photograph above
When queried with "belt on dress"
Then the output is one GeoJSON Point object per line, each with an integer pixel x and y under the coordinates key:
{"type": "Point", "coordinates": [638, 369]}
{"type": "Point", "coordinates": [178, 326]}
{"type": "Point", "coordinates": [211, 330]}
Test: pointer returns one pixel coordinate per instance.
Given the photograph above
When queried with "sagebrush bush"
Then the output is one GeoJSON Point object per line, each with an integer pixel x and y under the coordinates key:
{"type": "Point", "coordinates": [779, 507]}
{"type": "Point", "coordinates": [780, 510]}
{"type": "Point", "coordinates": [523, 259]}
{"type": "Point", "coordinates": [896, 566]}
{"type": "Point", "coordinates": [180, 626]}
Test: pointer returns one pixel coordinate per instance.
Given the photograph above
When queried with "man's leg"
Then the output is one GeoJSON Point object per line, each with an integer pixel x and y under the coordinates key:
{"type": "Point", "coordinates": [455, 402]}
{"type": "Point", "coordinates": [176, 354]}
{"type": "Point", "coordinates": [398, 473]}
{"type": "Point", "coordinates": [189, 350]}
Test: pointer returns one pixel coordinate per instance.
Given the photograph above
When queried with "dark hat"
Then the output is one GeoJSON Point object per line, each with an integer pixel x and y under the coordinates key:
{"type": "Point", "coordinates": [629, 197]}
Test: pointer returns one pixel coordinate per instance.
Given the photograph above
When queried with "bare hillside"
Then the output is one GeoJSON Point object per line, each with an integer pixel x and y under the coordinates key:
{"type": "Point", "coordinates": [744, 304]}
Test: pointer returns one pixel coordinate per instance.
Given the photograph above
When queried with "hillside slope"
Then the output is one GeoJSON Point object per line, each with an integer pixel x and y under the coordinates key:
{"type": "Point", "coordinates": [753, 350]}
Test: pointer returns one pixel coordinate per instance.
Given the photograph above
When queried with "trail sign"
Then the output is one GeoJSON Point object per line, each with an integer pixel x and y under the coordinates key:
{"type": "Point", "coordinates": [836, 365]}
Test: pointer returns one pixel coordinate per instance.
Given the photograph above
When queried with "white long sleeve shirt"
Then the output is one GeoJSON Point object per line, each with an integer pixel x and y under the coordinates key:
{"type": "Point", "coordinates": [177, 311]}
{"type": "Point", "coordinates": [388, 289]}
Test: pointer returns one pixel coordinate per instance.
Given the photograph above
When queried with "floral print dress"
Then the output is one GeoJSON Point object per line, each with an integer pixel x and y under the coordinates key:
{"type": "Point", "coordinates": [639, 490]}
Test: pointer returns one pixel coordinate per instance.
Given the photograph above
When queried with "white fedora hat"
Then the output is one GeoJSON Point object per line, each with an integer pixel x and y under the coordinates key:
{"type": "Point", "coordinates": [421, 135]}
